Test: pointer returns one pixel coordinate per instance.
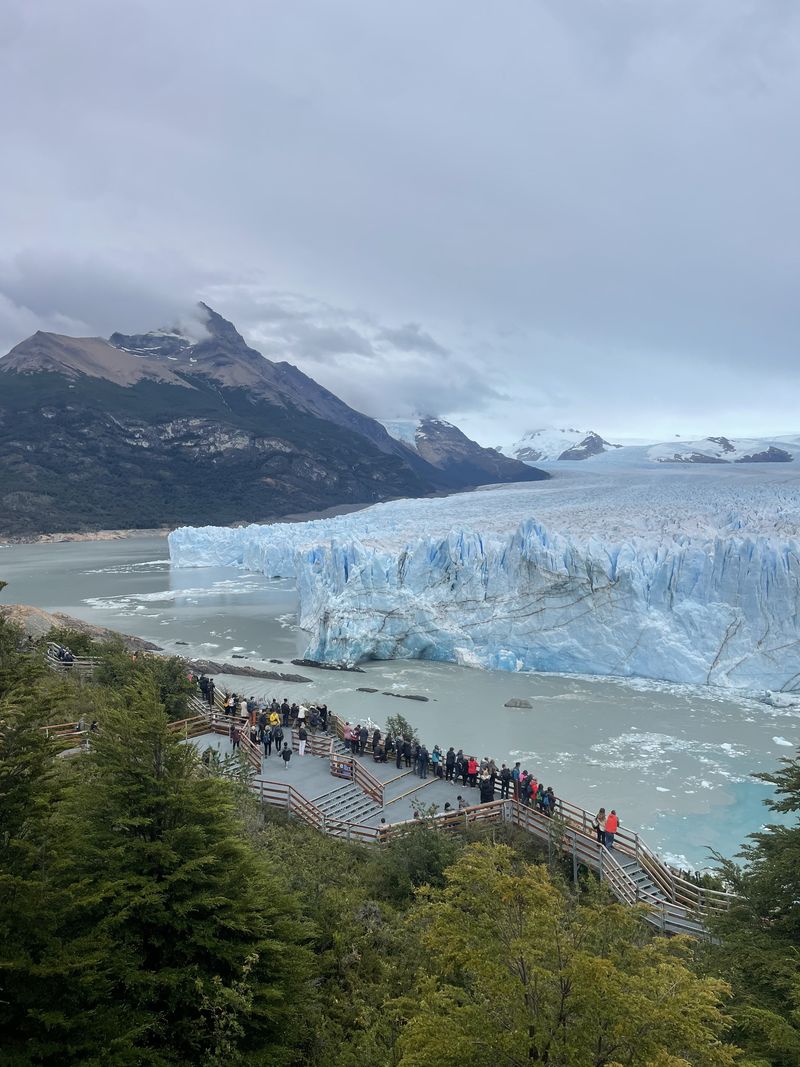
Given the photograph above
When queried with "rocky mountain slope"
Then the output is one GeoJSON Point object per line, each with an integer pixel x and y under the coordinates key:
{"type": "Point", "coordinates": [462, 461]}
{"type": "Point", "coordinates": [162, 428]}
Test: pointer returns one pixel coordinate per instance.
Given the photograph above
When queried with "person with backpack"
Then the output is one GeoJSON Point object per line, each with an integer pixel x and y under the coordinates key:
{"type": "Point", "coordinates": [286, 755]}
{"type": "Point", "coordinates": [363, 734]}
{"type": "Point", "coordinates": [436, 762]}
{"type": "Point", "coordinates": [515, 779]}
{"type": "Point", "coordinates": [266, 740]}
{"type": "Point", "coordinates": [449, 764]}
{"type": "Point", "coordinates": [277, 737]}
{"type": "Point", "coordinates": [505, 782]}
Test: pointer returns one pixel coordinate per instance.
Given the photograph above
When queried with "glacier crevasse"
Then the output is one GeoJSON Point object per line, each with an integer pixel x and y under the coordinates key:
{"type": "Point", "coordinates": [722, 609]}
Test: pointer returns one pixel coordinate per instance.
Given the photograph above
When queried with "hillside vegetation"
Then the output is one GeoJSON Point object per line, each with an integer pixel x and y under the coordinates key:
{"type": "Point", "coordinates": [153, 913]}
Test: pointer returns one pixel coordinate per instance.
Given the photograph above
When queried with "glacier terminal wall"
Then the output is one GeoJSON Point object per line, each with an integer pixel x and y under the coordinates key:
{"type": "Point", "coordinates": [590, 585]}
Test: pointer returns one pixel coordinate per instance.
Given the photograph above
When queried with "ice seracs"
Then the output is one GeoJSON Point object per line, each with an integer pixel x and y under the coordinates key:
{"type": "Point", "coordinates": [688, 575]}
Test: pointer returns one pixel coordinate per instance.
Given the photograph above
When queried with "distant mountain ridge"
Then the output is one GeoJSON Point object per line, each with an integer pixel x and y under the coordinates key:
{"type": "Point", "coordinates": [448, 449]}
{"type": "Point", "coordinates": [163, 428]}
{"type": "Point", "coordinates": [547, 446]}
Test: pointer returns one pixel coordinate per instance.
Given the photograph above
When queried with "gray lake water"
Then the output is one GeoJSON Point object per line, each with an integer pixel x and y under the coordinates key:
{"type": "Point", "coordinates": [673, 760]}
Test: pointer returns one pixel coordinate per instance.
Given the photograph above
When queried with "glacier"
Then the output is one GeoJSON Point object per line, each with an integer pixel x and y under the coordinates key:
{"type": "Point", "coordinates": [689, 576]}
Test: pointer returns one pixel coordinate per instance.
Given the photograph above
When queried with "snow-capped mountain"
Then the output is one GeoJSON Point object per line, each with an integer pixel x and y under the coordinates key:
{"type": "Point", "coordinates": [553, 445]}
{"type": "Point", "coordinates": [548, 445]}
{"type": "Point", "coordinates": [183, 425]}
{"type": "Point", "coordinates": [726, 450]}
{"type": "Point", "coordinates": [464, 461]}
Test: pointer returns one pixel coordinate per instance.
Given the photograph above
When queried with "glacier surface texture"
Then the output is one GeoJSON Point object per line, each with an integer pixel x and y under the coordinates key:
{"type": "Point", "coordinates": [690, 576]}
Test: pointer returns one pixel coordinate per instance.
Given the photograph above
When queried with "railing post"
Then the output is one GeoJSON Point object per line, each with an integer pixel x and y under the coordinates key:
{"type": "Point", "coordinates": [289, 799]}
{"type": "Point", "coordinates": [601, 862]}
{"type": "Point", "coordinates": [574, 857]}
{"type": "Point", "coordinates": [636, 836]}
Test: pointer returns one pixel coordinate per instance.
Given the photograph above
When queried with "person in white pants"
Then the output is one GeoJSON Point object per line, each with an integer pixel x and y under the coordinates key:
{"type": "Point", "coordinates": [302, 736]}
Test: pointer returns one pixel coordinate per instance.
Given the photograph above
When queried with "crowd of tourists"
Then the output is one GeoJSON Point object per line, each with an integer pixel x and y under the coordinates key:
{"type": "Point", "coordinates": [268, 723]}
{"type": "Point", "coordinates": [453, 766]}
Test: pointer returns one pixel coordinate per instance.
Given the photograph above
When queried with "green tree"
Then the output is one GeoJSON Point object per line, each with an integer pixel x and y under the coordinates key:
{"type": "Point", "coordinates": [757, 942]}
{"type": "Point", "coordinates": [123, 672]}
{"type": "Point", "coordinates": [518, 972]}
{"type": "Point", "coordinates": [178, 944]}
{"type": "Point", "coordinates": [399, 726]}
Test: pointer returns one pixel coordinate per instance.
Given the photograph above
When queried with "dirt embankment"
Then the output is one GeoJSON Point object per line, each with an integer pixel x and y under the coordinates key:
{"type": "Point", "coordinates": [37, 623]}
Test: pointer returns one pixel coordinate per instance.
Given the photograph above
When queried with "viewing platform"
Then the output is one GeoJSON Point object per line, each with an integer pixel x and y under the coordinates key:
{"type": "Point", "coordinates": [358, 799]}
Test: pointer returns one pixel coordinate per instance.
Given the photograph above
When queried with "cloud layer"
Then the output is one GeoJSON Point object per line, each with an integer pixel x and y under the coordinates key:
{"type": "Point", "coordinates": [533, 212]}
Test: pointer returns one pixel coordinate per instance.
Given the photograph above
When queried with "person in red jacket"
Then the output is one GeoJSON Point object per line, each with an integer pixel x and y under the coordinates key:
{"type": "Point", "coordinates": [472, 770]}
{"type": "Point", "coordinates": [612, 824]}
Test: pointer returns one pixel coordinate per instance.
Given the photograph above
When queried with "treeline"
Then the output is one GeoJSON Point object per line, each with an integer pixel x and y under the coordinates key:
{"type": "Point", "coordinates": [153, 913]}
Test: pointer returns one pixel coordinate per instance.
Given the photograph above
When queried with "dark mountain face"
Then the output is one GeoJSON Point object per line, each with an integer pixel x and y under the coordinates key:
{"type": "Point", "coordinates": [161, 429]}
{"type": "Point", "coordinates": [465, 462]}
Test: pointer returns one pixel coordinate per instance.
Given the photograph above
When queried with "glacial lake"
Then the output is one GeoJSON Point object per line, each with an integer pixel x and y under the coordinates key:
{"type": "Point", "coordinates": [673, 760]}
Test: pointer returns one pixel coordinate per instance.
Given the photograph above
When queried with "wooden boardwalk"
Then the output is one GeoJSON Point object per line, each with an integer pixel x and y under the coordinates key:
{"type": "Point", "coordinates": [633, 872]}
{"type": "Point", "coordinates": [340, 794]}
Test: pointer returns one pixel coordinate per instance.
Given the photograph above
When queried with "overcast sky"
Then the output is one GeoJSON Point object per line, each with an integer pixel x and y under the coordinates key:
{"type": "Point", "coordinates": [514, 214]}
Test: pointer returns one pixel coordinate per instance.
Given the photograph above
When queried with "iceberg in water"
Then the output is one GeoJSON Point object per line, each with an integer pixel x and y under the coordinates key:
{"type": "Point", "coordinates": [684, 577]}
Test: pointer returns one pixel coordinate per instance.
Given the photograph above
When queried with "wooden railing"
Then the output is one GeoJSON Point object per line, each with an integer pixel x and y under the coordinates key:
{"type": "Point", "coordinates": [568, 831]}
{"type": "Point", "coordinates": [283, 795]}
{"type": "Point", "coordinates": [346, 766]}
{"type": "Point", "coordinates": [82, 665]}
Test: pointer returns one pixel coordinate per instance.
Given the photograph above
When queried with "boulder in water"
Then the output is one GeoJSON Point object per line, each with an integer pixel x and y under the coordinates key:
{"type": "Point", "coordinates": [518, 702]}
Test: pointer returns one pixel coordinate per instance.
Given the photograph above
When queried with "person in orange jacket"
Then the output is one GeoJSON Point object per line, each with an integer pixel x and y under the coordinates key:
{"type": "Point", "coordinates": [612, 824]}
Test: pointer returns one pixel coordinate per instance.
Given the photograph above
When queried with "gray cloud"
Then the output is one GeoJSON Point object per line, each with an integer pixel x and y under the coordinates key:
{"type": "Point", "coordinates": [546, 210]}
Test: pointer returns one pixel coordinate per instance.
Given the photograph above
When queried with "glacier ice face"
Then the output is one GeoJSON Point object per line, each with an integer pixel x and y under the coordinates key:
{"type": "Point", "coordinates": [688, 577]}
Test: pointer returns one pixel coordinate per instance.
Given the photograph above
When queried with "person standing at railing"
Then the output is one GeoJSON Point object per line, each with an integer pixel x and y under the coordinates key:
{"type": "Point", "coordinates": [449, 764]}
{"type": "Point", "coordinates": [515, 776]}
{"type": "Point", "coordinates": [407, 750]}
{"type": "Point", "coordinates": [302, 737]}
{"type": "Point", "coordinates": [398, 752]}
{"type": "Point", "coordinates": [600, 826]}
{"type": "Point", "coordinates": [423, 762]}
{"type": "Point", "coordinates": [472, 771]}
{"type": "Point", "coordinates": [436, 762]}
{"type": "Point", "coordinates": [266, 740]}
{"type": "Point", "coordinates": [363, 734]}
{"type": "Point", "coordinates": [505, 782]}
{"type": "Point", "coordinates": [612, 825]}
